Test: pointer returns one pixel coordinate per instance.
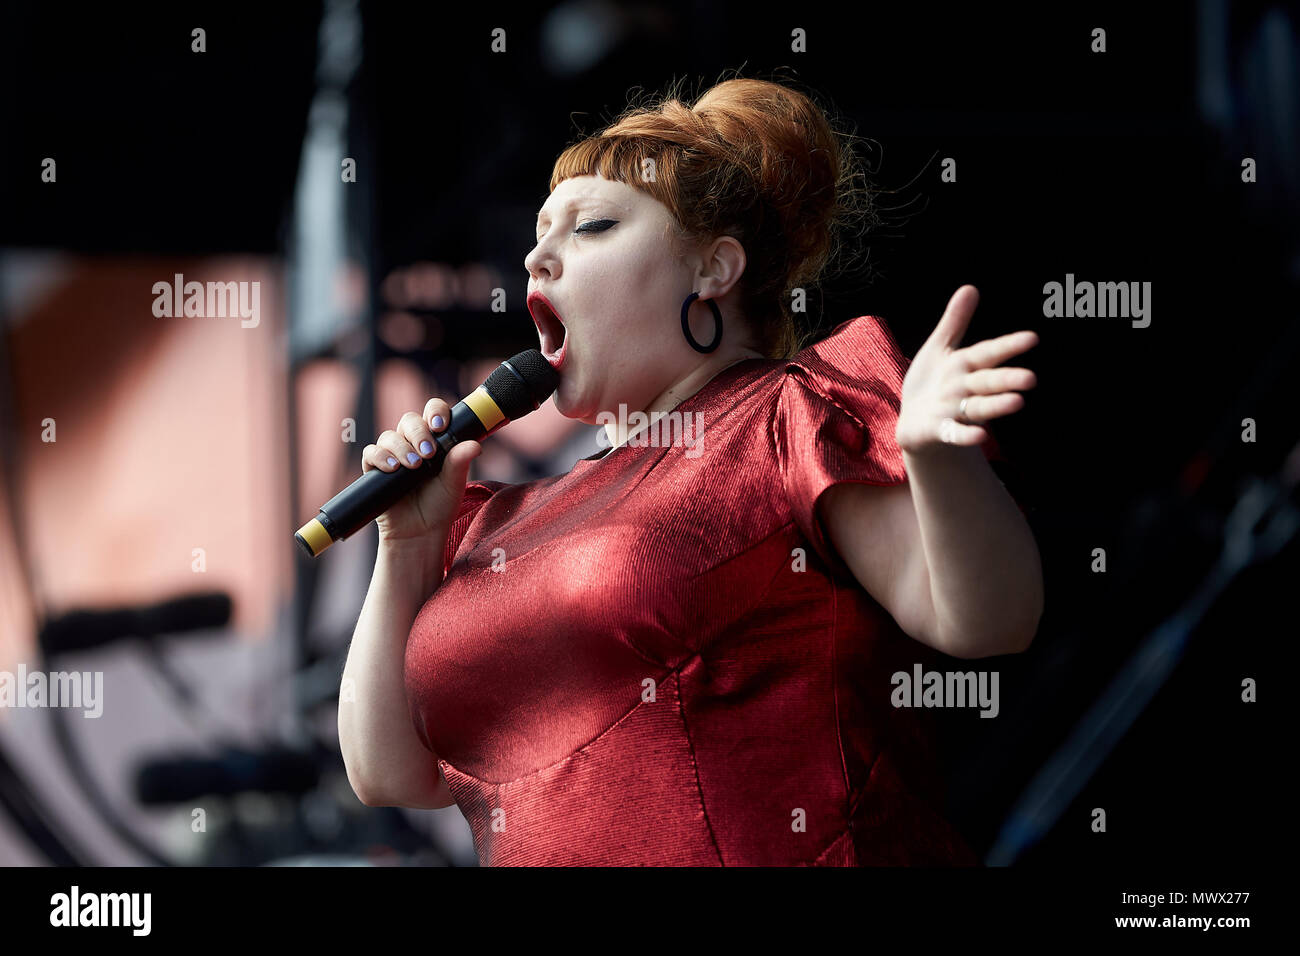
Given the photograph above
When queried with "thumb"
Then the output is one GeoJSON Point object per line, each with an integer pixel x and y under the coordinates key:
{"type": "Point", "coordinates": [947, 335]}
{"type": "Point", "coordinates": [449, 485]}
{"type": "Point", "coordinates": [455, 469]}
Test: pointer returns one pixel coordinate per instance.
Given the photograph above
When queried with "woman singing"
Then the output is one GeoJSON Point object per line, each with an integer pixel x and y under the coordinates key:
{"type": "Point", "coordinates": [682, 651]}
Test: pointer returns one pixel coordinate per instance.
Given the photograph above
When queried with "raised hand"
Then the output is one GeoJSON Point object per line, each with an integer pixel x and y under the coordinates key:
{"type": "Point", "coordinates": [948, 391]}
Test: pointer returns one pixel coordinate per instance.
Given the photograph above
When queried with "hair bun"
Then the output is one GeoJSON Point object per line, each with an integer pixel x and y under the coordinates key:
{"type": "Point", "coordinates": [749, 158]}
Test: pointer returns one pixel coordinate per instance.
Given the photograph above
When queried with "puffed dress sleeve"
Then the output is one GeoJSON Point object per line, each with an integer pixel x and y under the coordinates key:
{"type": "Point", "coordinates": [834, 421]}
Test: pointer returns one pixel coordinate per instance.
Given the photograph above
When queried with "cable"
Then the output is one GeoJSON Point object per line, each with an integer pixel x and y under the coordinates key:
{"type": "Point", "coordinates": [23, 808]}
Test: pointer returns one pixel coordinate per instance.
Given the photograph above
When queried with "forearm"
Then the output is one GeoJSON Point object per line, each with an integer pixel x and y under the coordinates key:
{"type": "Point", "coordinates": [985, 573]}
{"type": "Point", "coordinates": [384, 757]}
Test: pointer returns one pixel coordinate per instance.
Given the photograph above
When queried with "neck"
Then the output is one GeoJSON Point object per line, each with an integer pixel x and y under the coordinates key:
{"type": "Point", "coordinates": [617, 433]}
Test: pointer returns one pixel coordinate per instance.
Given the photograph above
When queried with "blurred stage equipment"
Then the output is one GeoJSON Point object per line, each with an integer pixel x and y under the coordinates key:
{"type": "Point", "coordinates": [1262, 522]}
{"type": "Point", "coordinates": [1248, 74]}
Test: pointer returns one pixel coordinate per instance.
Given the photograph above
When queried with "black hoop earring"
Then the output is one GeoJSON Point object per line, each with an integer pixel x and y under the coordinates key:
{"type": "Point", "coordinates": [686, 323]}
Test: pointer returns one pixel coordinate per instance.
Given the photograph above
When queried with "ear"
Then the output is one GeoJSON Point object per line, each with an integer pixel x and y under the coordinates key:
{"type": "Point", "coordinates": [721, 266]}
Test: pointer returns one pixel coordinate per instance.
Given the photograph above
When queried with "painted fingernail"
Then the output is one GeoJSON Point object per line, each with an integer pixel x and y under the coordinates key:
{"type": "Point", "coordinates": [425, 448]}
{"type": "Point", "coordinates": [412, 457]}
{"type": "Point", "coordinates": [392, 460]}
{"type": "Point", "coordinates": [437, 421]}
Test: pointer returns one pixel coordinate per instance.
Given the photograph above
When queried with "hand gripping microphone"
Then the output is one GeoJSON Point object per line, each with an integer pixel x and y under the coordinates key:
{"type": "Point", "coordinates": [517, 387]}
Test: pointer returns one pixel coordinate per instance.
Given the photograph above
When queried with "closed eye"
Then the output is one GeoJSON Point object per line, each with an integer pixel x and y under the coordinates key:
{"type": "Point", "coordinates": [595, 225]}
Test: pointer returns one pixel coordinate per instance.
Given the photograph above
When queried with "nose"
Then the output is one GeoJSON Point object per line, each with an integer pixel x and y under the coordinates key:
{"type": "Point", "coordinates": [541, 262]}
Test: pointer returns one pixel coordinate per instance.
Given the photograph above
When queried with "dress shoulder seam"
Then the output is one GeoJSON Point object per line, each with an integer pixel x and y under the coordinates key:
{"type": "Point", "coordinates": [807, 382]}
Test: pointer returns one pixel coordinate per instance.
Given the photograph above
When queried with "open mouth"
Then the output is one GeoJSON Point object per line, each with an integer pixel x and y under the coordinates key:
{"type": "Point", "coordinates": [554, 335]}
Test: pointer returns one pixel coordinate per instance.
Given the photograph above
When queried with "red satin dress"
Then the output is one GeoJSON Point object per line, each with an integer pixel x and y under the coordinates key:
{"type": "Point", "coordinates": [658, 659]}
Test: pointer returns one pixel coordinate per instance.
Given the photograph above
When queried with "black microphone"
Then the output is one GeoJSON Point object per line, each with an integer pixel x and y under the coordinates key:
{"type": "Point", "coordinates": [518, 386]}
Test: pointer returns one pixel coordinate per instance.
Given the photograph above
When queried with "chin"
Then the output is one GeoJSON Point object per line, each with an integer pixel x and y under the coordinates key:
{"type": "Point", "coordinates": [566, 405]}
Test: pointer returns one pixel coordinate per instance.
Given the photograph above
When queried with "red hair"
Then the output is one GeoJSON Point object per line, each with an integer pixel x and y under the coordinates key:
{"type": "Point", "coordinates": [752, 159]}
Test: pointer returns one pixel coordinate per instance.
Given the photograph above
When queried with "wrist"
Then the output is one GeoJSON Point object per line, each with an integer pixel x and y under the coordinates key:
{"type": "Point", "coordinates": [930, 450]}
{"type": "Point", "coordinates": [421, 556]}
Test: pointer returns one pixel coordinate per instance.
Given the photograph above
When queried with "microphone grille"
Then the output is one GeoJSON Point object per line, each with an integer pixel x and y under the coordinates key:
{"type": "Point", "coordinates": [521, 391]}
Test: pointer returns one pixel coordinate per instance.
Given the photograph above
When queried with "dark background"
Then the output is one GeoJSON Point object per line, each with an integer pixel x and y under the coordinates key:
{"type": "Point", "coordinates": [1122, 166]}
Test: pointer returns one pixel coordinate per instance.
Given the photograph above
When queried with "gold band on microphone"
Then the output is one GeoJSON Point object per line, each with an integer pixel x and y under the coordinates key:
{"type": "Point", "coordinates": [314, 536]}
{"type": "Point", "coordinates": [484, 408]}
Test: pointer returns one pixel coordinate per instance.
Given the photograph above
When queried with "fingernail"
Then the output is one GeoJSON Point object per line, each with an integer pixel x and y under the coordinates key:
{"type": "Point", "coordinates": [412, 457]}
{"type": "Point", "coordinates": [392, 460]}
{"type": "Point", "coordinates": [437, 421]}
{"type": "Point", "coordinates": [425, 448]}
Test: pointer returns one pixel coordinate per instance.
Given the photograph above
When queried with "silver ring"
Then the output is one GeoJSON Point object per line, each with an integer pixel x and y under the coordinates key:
{"type": "Point", "coordinates": [961, 411]}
